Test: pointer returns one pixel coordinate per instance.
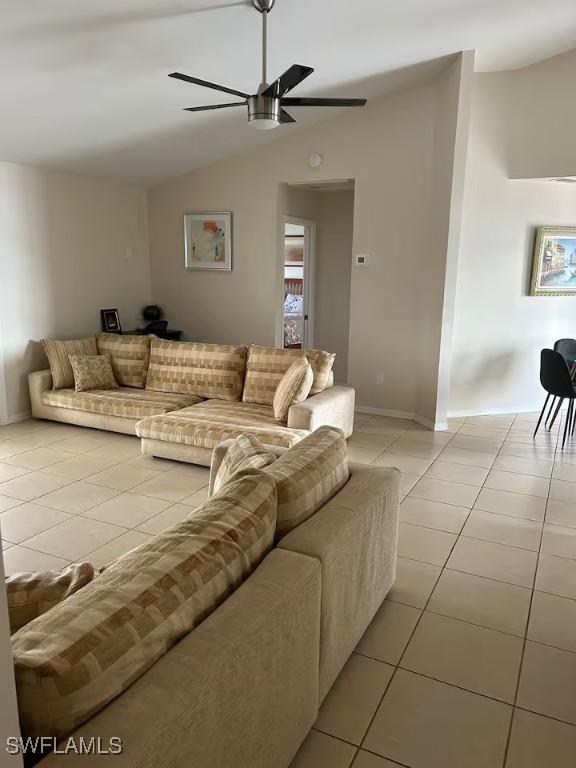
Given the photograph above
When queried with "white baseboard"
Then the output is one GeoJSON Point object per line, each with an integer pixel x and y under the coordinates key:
{"type": "Point", "coordinates": [18, 417]}
{"type": "Point", "coordinates": [495, 411]}
{"type": "Point", "coordinates": [370, 411]}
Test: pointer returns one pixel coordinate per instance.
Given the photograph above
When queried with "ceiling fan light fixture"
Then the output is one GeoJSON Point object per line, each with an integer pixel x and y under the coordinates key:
{"type": "Point", "coordinates": [263, 123]}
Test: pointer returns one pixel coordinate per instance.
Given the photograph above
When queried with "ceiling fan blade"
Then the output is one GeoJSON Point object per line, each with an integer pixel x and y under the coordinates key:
{"type": "Point", "coordinates": [206, 84]}
{"type": "Point", "coordinates": [285, 117]}
{"type": "Point", "coordinates": [215, 106]}
{"type": "Point", "coordinates": [290, 79]}
{"type": "Point", "coordinates": [299, 102]}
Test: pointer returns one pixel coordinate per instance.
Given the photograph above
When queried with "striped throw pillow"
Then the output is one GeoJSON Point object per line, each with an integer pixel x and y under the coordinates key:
{"type": "Point", "coordinates": [308, 475]}
{"type": "Point", "coordinates": [293, 387]}
{"type": "Point", "coordinates": [267, 365]}
{"type": "Point", "coordinates": [70, 662]}
{"type": "Point", "coordinates": [58, 351]}
{"type": "Point", "coordinates": [245, 452]}
{"type": "Point", "coordinates": [92, 372]}
{"type": "Point", "coordinates": [32, 594]}
{"type": "Point", "coordinates": [129, 356]}
{"type": "Point", "coordinates": [207, 370]}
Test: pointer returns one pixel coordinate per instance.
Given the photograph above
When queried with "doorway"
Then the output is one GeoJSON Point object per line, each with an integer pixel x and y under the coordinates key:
{"type": "Point", "coordinates": [298, 301]}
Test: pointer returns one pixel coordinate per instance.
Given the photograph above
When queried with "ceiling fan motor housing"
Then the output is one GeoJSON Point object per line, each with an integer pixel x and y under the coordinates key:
{"type": "Point", "coordinates": [264, 108]}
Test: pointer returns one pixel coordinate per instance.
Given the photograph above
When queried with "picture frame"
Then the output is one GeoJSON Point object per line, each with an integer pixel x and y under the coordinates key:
{"type": "Point", "coordinates": [208, 240]}
{"type": "Point", "coordinates": [554, 262]}
{"type": "Point", "coordinates": [110, 321]}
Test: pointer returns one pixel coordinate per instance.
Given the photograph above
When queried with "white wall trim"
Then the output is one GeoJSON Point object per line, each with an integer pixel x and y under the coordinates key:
{"type": "Point", "coordinates": [18, 417]}
{"type": "Point", "coordinates": [369, 410]}
{"type": "Point", "coordinates": [495, 411]}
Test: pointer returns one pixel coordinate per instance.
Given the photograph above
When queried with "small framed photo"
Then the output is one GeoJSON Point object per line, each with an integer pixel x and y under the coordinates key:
{"type": "Point", "coordinates": [208, 241]}
{"type": "Point", "coordinates": [110, 320]}
{"type": "Point", "coordinates": [554, 267]}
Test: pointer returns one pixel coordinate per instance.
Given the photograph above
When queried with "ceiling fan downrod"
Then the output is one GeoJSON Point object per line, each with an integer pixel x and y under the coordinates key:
{"type": "Point", "coordinates": [264, 7]}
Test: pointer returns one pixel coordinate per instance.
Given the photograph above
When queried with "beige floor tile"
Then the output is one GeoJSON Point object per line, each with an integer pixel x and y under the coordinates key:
{"type": "Point", "coordinates": [403, 462]}
{"type": "Point", "coordinates": [389, 633]}
{"type": "Point", "coordinates": [85, 442]}
{"type": "Point", "coordinates": [368, 760]}
{"type": "Point", "coordinates": [510, 481]}
{"type": "Point", "coordinates": [561, 513]}
{"type": "Point", "coordinates": [494, 561]}
{"type": "Point", "coordinates": [423, 435]}
{"type": "Point", "coordinates": [39, 458]}
{"type": "Point", "coordinates": [174, 514]}
{"type": "Point", "coordinates": [322, 751]}
{"type": "Point", "coordinates": [537, 741]}
{"type": "Point", "coordinates": [120, 449]}
{"type": "Point", "coordinates": [445, 491]}
{"type": "Point", "coordinates": [28, 519]}
{"type": "Point", "coordinates": [478, 659]}
{"type": "Point", "coordinates": [371, 440]}
{"type": "Point", "coordinates": [9, 472]}
{"type": "Point", "coordinates": [6, 544]}
{"type": "Point", "coordinates": [565, 472]}
{"type": "Point", "coordinates": [414, 582]}
{"type": "Point", "coordinates": [467, 457]}
{"type": "Point", "coordinates": [81, 466]}
{"type": "Point", "coordinates": [524, 466]}
{"type": "Point", "coordinates": [528, 451]}
{"type": "Point", "coordinates": [472, 430]}
{"type": "Point", "coordinates": [361, 455]}
{"type": "Point", "coordinates": [32, 486]}
{"type": "Point", "coordinates": [353, 699]}
{"type": "Point", "coordinates": [425, 544]}
{"type": "Point", "coordinates": [18, 559]}
{"type": "Point", "coordinates": [123, 477]}
{"type": "Point", "coordinates": [548, 682]}
{"type": "Point", "coordinates": [152, 463]}
{"type": "Point", "coordinates": [486, 444]}
{"type": "Point", "coordinates": [457, 473]}
{"type": "Point", "coordinates": [503, 529]}
{"type": "Point", "coordinates": [557, 576]}
{"type": "Point", "coordinates": [427, 724]}
{"type": "Point", "coordinates": [514, 504]}
{"type": "Point", "coordinates": [116, 548]}
{"type": "Point", "coordinates": [128, 510]}
{"type": "Point", "coordinates": [543, 439]}
{"type": "Point", "coordinates": [553, 621]}
{"type": "Point", "coordinates": [559, 540]}
{"type": "Point", "coordinates": [10, 448]}
{"type": "Point", "coordinates": [35, 439]}
{"type": "Point", "coordinates": [197, 498]}
{"type": "Point", "coordinates": [433, 514]}
{"type": "Point", "coordinates": [562, 490]}
{"type": "Point", "coordinates": [171, 486]}
{"type": "Point", "coordinates": [488, 603]}
{"type": "Point", "coordinates": [76, 498]}
{"type": "Point", "coordinates": [407, 482]}
{"type": "Point", "coordinates": [74, 538]}
{"type": "Point", "coordinates": [193, 472]}
{"type": "Point", "coordinates": [415, 448]}
{"type": "Point", "coordinates": [7, 502]}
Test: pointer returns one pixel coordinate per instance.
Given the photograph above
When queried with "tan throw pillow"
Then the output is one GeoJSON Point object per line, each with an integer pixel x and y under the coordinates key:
{"type": "Point", "coordinates": [308, 475]}
{"type": "Point", "coordinates": [129, 356]}
{"type": "Point", "coordinates": [245, 452]}
{"type": "Point", "coordinates": [32, 594]}
{"type": "Point", "coordinates": [293, 387]}
{"type": "Point", "coordinates": [58, 352]}
{"type": "Point", "coordinates": [73, 660]}
{"type": "Point", "coordinates": [92, 372]}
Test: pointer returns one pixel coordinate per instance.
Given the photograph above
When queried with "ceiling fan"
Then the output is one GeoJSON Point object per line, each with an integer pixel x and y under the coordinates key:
{"type": "Point", "coordinates": [266, 107]}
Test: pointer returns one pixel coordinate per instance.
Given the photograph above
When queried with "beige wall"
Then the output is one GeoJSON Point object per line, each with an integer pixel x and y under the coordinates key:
{"type": "Point", "coordinates": [388, 148]}
{"type": "Point", "coordinates": [499, 328]}
{"type": "Point", "coordinates": [71, 245]}
{"type": "Point", "coordinates": [333, 212]}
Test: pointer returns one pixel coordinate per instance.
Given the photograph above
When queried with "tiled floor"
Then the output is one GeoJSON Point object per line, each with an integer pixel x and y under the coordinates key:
{"type": "Point", "coordinates": [470, 663]}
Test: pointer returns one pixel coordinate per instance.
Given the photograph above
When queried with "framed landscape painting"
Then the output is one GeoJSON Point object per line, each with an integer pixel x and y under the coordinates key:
{"type": "Point", "coordinates": [208, 241]}
{"type": "Point", "coordinates": [554, 267]}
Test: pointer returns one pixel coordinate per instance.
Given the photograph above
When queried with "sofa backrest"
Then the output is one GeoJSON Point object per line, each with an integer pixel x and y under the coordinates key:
{"type": "Point", "coordinates": [191, 368]}
{"type": "Point", "coordinates": [129, 355]}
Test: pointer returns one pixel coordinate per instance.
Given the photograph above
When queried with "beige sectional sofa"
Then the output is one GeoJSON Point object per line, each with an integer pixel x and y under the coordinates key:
{"type": "Point", "coordinates": [243, 688]}
{"type": "Point", "coordinates": [184, 398]}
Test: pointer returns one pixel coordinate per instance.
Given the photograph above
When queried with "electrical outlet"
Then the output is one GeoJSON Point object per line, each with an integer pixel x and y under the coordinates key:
{"type": "Point", "coordinates": [380, 379]}
{"type": "Point", "coordinates": [361, 259]}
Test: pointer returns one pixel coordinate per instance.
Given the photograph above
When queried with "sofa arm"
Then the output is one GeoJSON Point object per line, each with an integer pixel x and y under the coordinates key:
{"type": "Point", "coordinates": [333, 407]}
{"type": "Point", "coordinates": [218, 456]}
{"type": "Point", "coordinates": [38, 382]}
{"type": "Point", "coordinates": [355, 537]}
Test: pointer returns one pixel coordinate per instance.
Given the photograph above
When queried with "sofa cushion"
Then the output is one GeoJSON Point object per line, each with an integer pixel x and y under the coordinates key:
{"type": "Point", "coordinates": [208, 424]}
{"type": "Point", "coordinates": [245, 452]}
{"type": "Point", "coordinates": [124, 401]}
{"type": "Point", "coordinates": [92, 372]}
{"type": "Point", "coordinates": [267, 365]}
{"type": "Point", "coordinates": [129, 356]}
{"type": "Point", "coordinates": [58, 351]}
{"type": "Point", "coordinates": [308, 476]}
{"type": "Point", "coordinates": [205, 370]}
{"type": "Point", "coordinates": [73, 660]}
{"type": "Point", "coordinates": [32, 594]}
{"type": "Point", "coordinates": [293, 387]}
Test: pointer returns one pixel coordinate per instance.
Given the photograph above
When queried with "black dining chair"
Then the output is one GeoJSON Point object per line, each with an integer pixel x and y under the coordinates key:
{"type": "Point", "coordinates": [556, 380]}
{"type": "Point", "coordinates": [567, 348]}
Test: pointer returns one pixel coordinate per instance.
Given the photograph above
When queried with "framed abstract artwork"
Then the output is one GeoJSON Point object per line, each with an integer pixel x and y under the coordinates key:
{"type": "Point", "coordinates": [554, 265]}
{"type": "Point", "coordinates": [208, 241]}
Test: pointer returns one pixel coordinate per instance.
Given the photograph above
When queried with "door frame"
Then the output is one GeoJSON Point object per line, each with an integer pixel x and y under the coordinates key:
{"type": "Point", "coordinates": [309, 278]}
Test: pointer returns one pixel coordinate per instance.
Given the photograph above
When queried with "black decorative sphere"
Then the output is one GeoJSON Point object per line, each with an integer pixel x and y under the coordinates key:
{"type": "Point", "coordinates": [152, 312]}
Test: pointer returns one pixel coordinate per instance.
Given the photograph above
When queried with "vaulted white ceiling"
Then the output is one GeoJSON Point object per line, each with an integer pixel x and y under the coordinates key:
{"type": "Point", "coordinates": [84, 86]}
